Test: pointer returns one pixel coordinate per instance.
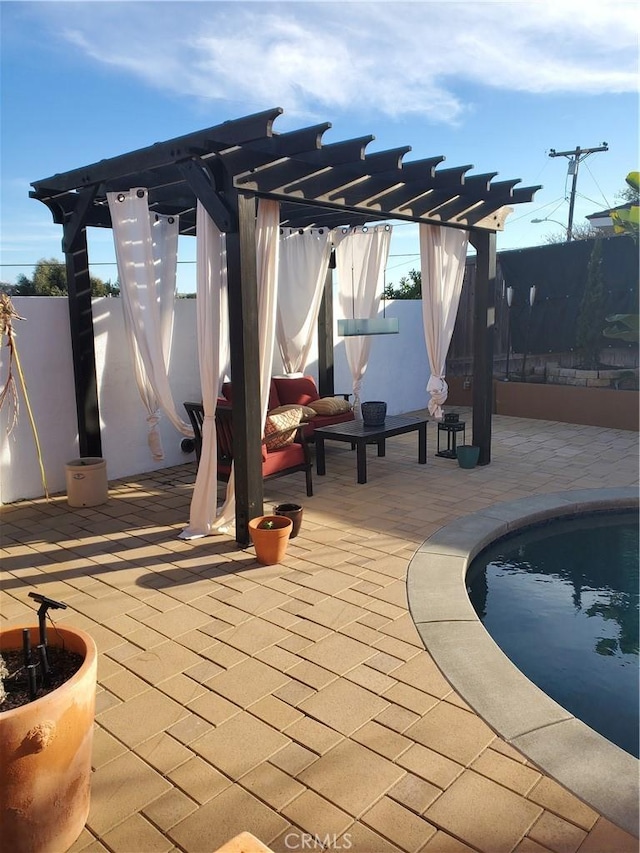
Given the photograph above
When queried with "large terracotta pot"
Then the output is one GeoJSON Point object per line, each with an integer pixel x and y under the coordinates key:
{"type": "Point", "coordinates": [270, 543]}
{"type": "Point", "coordinates": [45, 747]}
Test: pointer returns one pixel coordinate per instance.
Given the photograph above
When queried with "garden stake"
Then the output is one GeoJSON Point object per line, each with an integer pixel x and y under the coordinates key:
{"type": "Point", "coordinates": [45, 604]}
{"type": "Point", "coordinates": [26, 646]}
{"type": "Point", "coordinates": [45, 669]}
{"type": "Point", "coordinates": [31, 677]}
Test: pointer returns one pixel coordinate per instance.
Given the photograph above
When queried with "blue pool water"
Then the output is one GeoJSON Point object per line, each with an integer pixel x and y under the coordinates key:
{"type": "Point", "coordinates": [561, 601]}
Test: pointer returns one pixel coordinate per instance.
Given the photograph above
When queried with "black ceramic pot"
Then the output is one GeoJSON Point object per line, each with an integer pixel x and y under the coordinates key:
{"type": "Point", "coordinates": [374, 413]}
{"type": "Point", "coordinates": [292, 511]}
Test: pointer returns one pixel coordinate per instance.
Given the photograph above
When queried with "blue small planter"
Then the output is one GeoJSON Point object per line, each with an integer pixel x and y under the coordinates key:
{"type": "Point", "coordinates": [467, 455]}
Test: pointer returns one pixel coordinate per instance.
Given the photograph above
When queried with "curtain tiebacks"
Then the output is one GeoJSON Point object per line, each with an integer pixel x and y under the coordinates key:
{"type": "Point", "coordinates": [439, 390]}
{"type": "Point", "coordinates": [153, 437]}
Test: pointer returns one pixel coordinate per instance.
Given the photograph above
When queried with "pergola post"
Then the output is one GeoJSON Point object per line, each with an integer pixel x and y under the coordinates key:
{"type": "Point", "coordinates": [82, 338]}
{"type": "Point", "coordinates": [245, 366]}
{"type": "Point", "coordinates": [484, 318]}
{"type": "Point", "coordinates": [325, 338]}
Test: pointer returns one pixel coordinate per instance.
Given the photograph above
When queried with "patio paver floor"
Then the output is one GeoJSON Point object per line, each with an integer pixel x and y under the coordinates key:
{"type": "Point", "coordinates": [298, 698]}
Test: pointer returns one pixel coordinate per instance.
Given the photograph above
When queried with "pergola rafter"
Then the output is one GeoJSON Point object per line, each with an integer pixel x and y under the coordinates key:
{"type": "Point", "coordinates": [227, 167]}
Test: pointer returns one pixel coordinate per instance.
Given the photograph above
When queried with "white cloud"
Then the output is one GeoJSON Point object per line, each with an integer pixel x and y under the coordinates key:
{"type": "Point", "coordinates": [399, 58]}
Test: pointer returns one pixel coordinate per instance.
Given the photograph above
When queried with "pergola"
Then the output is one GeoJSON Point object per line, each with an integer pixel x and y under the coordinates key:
{"type": "Point", "coordinates": [227, 168]}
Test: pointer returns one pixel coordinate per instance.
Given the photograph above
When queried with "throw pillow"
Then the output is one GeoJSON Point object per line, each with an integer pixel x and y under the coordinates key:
{"type": "Point", "coordinates": [306, 413]}
{"type": "Point", "coordinates": [278, 422]}
{"type": "Point", "coordinates": [331, 406]}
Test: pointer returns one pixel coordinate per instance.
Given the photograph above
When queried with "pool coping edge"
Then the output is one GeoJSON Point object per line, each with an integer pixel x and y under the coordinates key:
{"type": "Point", "coordinates": [597, 771]}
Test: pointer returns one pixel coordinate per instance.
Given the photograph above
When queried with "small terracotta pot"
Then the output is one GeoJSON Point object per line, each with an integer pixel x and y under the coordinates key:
{"type": "Point", "coordinates": [270, 543]}
{"type": "Point", "coordinates": [46, 753]}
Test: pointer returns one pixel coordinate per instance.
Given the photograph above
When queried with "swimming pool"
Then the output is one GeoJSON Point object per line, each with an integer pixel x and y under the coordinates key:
{"type": "Point", "coordinates": [598, 771]}
{"type": "Point", "coordinates": [561, 600]}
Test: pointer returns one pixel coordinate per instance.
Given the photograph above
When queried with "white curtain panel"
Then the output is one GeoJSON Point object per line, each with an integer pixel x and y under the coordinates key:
{"type": "Point", "coordinates": [361, 258]}
{"type": "Point", "coordinates": [267, 254]}
{"type": "Point", "coordinates": [304, 259]}
{"type": "Point", "coordinates": [146, 253]}
{"type": "Point", "coordinates": [267, 261]}
{"type": "Point", "coordinates": [213, 354]}
{"type": "Point", "coordinates": [213, 336]}
{"type": "Point", "coordinates": [443, 253]}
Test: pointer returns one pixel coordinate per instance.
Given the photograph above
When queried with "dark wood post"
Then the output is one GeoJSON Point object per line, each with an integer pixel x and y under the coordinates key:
{"type": "Point", "coordinates": [484, 311]}
{"type": "Point", "coordinates": [245, 366]}
{"type": "Point", "coordinates": [82, 339]}
{"type": "Point", "coordinates": [325, 337]}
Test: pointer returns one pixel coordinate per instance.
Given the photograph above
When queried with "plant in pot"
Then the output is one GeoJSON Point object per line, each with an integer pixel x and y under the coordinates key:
{"type": "Point", "coordinates": [270, 536]}
{"type": "Point", "coordinates": [47, 706]}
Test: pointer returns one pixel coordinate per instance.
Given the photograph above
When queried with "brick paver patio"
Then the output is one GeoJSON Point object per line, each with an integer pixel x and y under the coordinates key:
{"type": "Point", "coordinates": [298, 699]}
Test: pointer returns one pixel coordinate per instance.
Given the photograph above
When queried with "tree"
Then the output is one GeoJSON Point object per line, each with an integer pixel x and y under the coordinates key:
{"type": "Point", "coordinates": [50, 279]}
{"type": "Point", "coordinates": [626, 220]}
{"type": "Point", "coordinates": [410, 287]}
{"type": "Point", "coordinates": [585, 231]}
{"type": "Point", "coordinates": [631, 192]}
{"type": "Point", "coordinates": [592, 310]}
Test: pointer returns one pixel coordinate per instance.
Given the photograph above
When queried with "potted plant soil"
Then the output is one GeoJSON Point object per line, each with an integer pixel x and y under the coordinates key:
{"type": "Point", "coordinates": [47, 705]}
{"type": "Point", "coordinates": [270, 536]}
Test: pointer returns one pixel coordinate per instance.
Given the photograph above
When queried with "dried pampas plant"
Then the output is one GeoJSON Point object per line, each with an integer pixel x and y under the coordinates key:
{"type": "Point", "coordinates": [9, 391]}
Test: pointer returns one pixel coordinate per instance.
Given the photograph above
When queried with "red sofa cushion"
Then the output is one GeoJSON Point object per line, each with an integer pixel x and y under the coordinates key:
{"type": "Point", "coordinates": [302, 390]}
{"type": "Point", "coordinates": [273, 461]}
{"type": "Point", "coordinates": [286, 457]}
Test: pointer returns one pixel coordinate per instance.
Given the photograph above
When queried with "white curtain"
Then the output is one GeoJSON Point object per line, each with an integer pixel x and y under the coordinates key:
{"type": "Point", "coordinates": [443, 253]}
{"type": "Point", "coordinates": [212, 312]}
{"type": "Point", "coordinates": [304, 259]}
{"type": "Point", "coordinates": [267, 260]}
{"type": "Point", "coordinates": [146, 252]}
{"type": "Point", "coordinates": [361, 257]}
{"type": "Point", "coordinates": [213, 356]}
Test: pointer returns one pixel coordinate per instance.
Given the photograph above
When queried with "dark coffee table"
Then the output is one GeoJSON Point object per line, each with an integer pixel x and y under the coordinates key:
{"type": "Point", "coordinates": [356, 433]}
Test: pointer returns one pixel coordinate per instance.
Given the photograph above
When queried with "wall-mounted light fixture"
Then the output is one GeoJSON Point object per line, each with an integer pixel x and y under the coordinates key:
{"type": "Point", "coordinates": [374, 326]}
{"type": "Point", "coordinates": [509, 296]}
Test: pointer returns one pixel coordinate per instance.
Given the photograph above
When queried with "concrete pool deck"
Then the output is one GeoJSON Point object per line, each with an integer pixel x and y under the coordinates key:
{"type": "Point", "coordinates": [298, 700]}
{"type": "Point", "coordinates": [599, 772]}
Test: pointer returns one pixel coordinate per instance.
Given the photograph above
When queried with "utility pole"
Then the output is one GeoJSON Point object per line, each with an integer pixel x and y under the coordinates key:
{"type": "Point", "coordinates": [575, 158]}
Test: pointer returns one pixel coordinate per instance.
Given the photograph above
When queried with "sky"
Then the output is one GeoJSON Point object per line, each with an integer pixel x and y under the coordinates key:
{"type": "Point", "coordinates": [489, 83]}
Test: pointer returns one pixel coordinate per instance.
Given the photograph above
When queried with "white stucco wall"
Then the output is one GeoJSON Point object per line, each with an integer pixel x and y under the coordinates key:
{"type": "Point", "coordinates": [397, 373]}
{"type": "Point", "coordinates": [44, 345]}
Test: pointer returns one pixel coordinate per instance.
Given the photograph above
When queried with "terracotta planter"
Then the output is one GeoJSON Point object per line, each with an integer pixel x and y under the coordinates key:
{"type": "Point", "coordinates": [270, 543]}
{"type": "Point", "coordinates": [46, 754]}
